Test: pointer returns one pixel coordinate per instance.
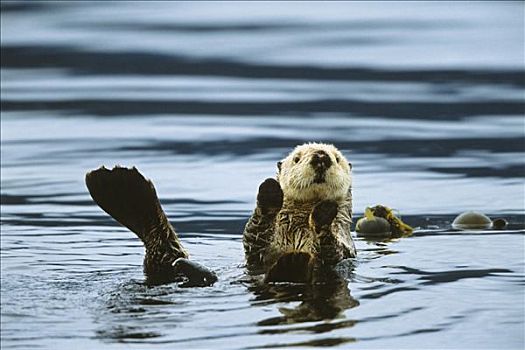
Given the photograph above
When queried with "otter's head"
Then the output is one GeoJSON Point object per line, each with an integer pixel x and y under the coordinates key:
{"type": "Point", "coordinates": [315, 171]}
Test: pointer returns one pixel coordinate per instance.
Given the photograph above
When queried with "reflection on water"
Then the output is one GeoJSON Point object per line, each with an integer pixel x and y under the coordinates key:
{"type": "Point", "coordinates": [317, 302]}
{"type": "Point", "coordinates": [425, 99]}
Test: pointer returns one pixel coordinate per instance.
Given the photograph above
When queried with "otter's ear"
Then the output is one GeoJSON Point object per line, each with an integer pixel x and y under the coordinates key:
{"type": "Point", "coordinates": [350, 165]}
{"type": "Point", "coordinates": [279, 164]}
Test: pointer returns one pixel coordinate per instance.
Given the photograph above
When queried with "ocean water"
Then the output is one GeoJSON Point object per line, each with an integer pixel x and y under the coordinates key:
{"type": "Point", "coordinates": [427, 101]}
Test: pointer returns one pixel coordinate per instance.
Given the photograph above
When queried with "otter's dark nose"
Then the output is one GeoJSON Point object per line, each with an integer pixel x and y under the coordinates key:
{"type": "Point", "coordinates": [321, 160]}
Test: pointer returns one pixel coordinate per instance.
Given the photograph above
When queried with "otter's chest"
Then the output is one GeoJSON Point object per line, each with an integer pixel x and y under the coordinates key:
{"type": "Point", "coordinates": [293, 231]}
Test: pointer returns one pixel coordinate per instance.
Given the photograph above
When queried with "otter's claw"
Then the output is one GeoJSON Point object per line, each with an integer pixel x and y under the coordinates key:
{"type": "Point", "coordinates": [197, 275]}
{"type": "Point", "coordinates": [324, 213]}
{"type": "Point", "coordinates": [270, 195]}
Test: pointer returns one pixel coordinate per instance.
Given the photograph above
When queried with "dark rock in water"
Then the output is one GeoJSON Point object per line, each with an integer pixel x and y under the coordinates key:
{"type": "Point", "coordinates": [499, 224]}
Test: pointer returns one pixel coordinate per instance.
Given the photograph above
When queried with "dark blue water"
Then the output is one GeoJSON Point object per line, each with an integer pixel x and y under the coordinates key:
{"type": "Point", "coordinates": [425, 99]}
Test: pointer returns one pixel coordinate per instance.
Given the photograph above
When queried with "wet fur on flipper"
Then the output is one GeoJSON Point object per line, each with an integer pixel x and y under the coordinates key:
{"type": "Point", "coordinates": [127, 197]}
{"type": "Point", "coordinates": [131, 199]}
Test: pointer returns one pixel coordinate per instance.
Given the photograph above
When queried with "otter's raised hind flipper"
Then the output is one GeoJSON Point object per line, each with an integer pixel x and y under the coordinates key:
{"type": "Point", "coordinates": [131, 200]}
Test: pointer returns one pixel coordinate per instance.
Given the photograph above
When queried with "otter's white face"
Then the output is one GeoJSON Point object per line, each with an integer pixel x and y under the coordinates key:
{"type": "Point", "coordinates": [315, 171]}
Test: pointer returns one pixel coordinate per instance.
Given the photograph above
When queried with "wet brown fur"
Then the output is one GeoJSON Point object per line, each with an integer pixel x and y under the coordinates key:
{"type": "Point", "coordinates": [288, 239]}
{"type": "Point", "coordinates": [132, 200]}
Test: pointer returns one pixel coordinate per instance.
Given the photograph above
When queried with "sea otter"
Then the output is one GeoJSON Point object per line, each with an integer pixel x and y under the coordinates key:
{"type": "Point", "coordinates": [132, 201]}
{"type": "Point", "coordinates": [301, 223]}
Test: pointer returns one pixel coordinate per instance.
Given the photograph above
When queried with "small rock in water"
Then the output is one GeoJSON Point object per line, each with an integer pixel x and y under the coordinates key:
{"type": "Point", "coordinates": [472, 220]}
{"type": "Point", "coordinates": [373, 226]}
{"type": "Point", "coordinates": [499, 224]}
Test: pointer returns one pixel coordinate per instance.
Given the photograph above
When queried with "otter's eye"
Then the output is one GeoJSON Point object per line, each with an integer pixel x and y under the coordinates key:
{"type": "Point", "coordinates": [296, 159]}
{"type": "Point", "coordinates": [337, 159]}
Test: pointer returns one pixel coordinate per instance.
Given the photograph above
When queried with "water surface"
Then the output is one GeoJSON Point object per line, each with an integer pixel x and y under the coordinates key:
{"type": "Point", "coordinates": [425, 99]}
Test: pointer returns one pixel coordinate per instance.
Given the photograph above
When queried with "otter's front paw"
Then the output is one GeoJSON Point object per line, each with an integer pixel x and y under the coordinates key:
{"type": "Point", "coordinates": [324, 213]}
{"type": "Point", "coordinates": [270, 195]}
